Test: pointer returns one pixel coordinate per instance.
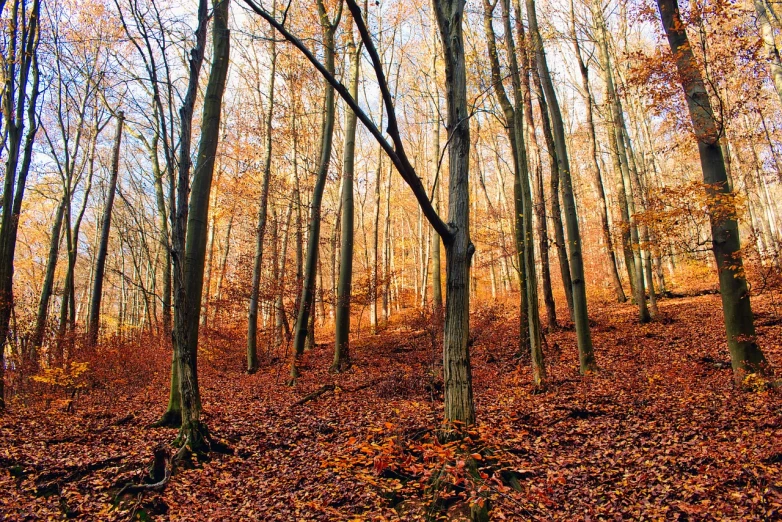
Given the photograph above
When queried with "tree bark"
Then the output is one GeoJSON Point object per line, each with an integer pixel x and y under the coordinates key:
{"type": "Point", "coordinates": [746, 355]}
{"type": "Point", "coordinates": [342, 321]}
{"type": "Point", "coordinates": [597, 182]}
{"type": "Point", "coordinates": [103, 246]}
{"type": "Point", "coordinates": [252, 318]}
{"type": "Point", "coordinates": [193, 432]}
{"type": "Point", "coordinates": [313, 241]}
{"type": "Point", "coordinates": [457, 373]}
{"type": "Point", "coordinates": [580, 313]}
{"type": "Point", "coordinates": [48, 282]}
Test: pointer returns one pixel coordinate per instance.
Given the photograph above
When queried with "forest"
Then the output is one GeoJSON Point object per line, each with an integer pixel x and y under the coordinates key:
{"type": "Point", "coordinates": [391, 260]}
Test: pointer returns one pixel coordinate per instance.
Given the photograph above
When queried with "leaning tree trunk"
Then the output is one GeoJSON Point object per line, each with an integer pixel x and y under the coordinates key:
{"type": "Point", "coordinates": [103, 246]}
{"type": "Point", "coordinates": [252, 317]}
{"type": "Point", "coordinates": [746, 356]}
{"type": "Point", "coordinates": [48, 282]}
{"type": "Point", "coordinates": [767, 33]}
{"type": "Point", "coordinates": [342, 320]}
{"type": "Point", "coordinates": [313, 241]}
{"type": "Point", "coordinates": [457, 374]}
{"type": "Point", "coordinates": [193, 433]}
{"type": "Point", "coordinates": [580, 313]}
{"type": "Point", "coordinates": [602, 206]}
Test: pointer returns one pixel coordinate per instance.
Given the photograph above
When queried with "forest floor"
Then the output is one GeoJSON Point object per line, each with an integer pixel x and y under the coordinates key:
{"type": "Point", "coordinates": [659, 433]}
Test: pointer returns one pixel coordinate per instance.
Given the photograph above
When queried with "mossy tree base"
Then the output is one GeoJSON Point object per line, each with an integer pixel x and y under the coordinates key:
{"type": "Point", "coordinates": [170, 419]}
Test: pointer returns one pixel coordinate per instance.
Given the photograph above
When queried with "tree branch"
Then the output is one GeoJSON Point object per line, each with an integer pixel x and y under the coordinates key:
{"type": "Point", "coordinates": [395, 153]}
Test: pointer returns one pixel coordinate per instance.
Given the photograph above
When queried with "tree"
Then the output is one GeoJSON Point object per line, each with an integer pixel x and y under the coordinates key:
{"type": "Point", "coordinates": [328, 28]}
{"type": "Point", "coordinates": [459, 407]}
{"type": "Point", "coordinates": [187, 305]}
{"type": "Point", "coordinates": [103, 246]}
{"type": "Point", "coordinates": [344, 286]}
{"type": "Point", "coordinates": [580, 314]}
{"type": "Point", "coordinates": [19, 107]}
{"type": "Point", "coordinates": [252, 319]}
{"type": "Point", "coordinates": [745, 354]}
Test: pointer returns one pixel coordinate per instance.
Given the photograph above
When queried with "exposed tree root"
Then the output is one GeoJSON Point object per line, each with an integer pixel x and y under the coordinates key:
{"type": "Point", "coordinates": [162, 468]}
{"type": "Point", "coordinates": [314, 395]}
{"type": "Point", "coordinates": [50, 481]}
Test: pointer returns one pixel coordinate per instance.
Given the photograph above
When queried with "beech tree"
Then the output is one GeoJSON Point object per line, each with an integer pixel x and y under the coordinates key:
{"type": "Point", "coordinates": [745, 354]}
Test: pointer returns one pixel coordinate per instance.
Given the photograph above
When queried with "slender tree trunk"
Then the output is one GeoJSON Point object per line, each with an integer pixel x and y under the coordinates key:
{"type": "Point", "coordinates": [540, 207]}
{"type": "Point", "coordinates": [252, 318]}
{"type": "Point", "coordinates": [556, 210]}
{"type": "Point", "coordinates": [746, 355]}
{"type": "Point", "coordinates": [103, 246]}
{"type": "Point", "coordinates": [48, 282]}
{"type": "Point", "coordinates": [14, 111]}
{"type": "Point", "coordinates": [313, 241]}
{"type": "Point", "coordinates": [602, 207]}
{"type": "Point", "coordinates": [580, 313]}
{"type": "Point", "coordinates": [342, 325]}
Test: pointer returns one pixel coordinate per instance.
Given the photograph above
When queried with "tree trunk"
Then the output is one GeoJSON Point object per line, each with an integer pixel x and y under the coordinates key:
{"type": "Point", "coordinates": [48, 282]}
{"type": "Point", "coordinates": [457, 373]}
{"type": "Point", "coordinates": [252, 318]}
{"type": "Point", "coordinates": [313, 241]}
{"type": "Point", "coordinates": [540, 207]}
{"type": "Point", "coordinates": [602, 207]}
{"type": "Point", "coordinates": [193, 433]}
{"type": "Point", "coordinates": [14, 102]}
{"type": "Point", "coordinates": [746, 355]}
{"type": "Point", "coordinates": [556, 210]}
{"type": "Point", "coordinates": [342, 324]}
{"type": "Point", "coordinates": [103, 246]}
{"type": "Point", "coordinates": [580, 313]}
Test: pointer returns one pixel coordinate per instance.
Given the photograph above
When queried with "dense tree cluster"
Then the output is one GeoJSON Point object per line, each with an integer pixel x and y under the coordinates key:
{"type": "Point", "coordinates": [272, 168]}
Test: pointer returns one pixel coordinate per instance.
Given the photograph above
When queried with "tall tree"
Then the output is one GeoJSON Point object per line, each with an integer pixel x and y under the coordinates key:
{"type": "Point", "coordinates": [602, 206]}
{"type": "Point", "coordinates": [745, 354]}
{"type": "Point", "coordinates": [459, 406]}
{"type": "Point", "coordinates": [187, 303]}
{"type": "Point", "coordinates": [342, 319]}
{"type": "Point", "coordinates": [103, 245]}
{"type": "Point", "coordinates": [580, 313]}
{"type": "Point", "coordinates": [19, 108]}
{"type": "Point", "coordinates": [252, 319]}
{"type": "Point", "coordinates": [328, 29]}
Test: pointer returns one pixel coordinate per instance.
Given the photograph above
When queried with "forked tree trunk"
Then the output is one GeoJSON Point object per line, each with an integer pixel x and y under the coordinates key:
{"type": "Point", "coordinates": [193, 433]}
{"type": "Point", "coordinates": [20, 68]}
{"type": "Point", "coordinates": [746, 356]}
{"type": "Point", "coordinates": [179, 190]}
